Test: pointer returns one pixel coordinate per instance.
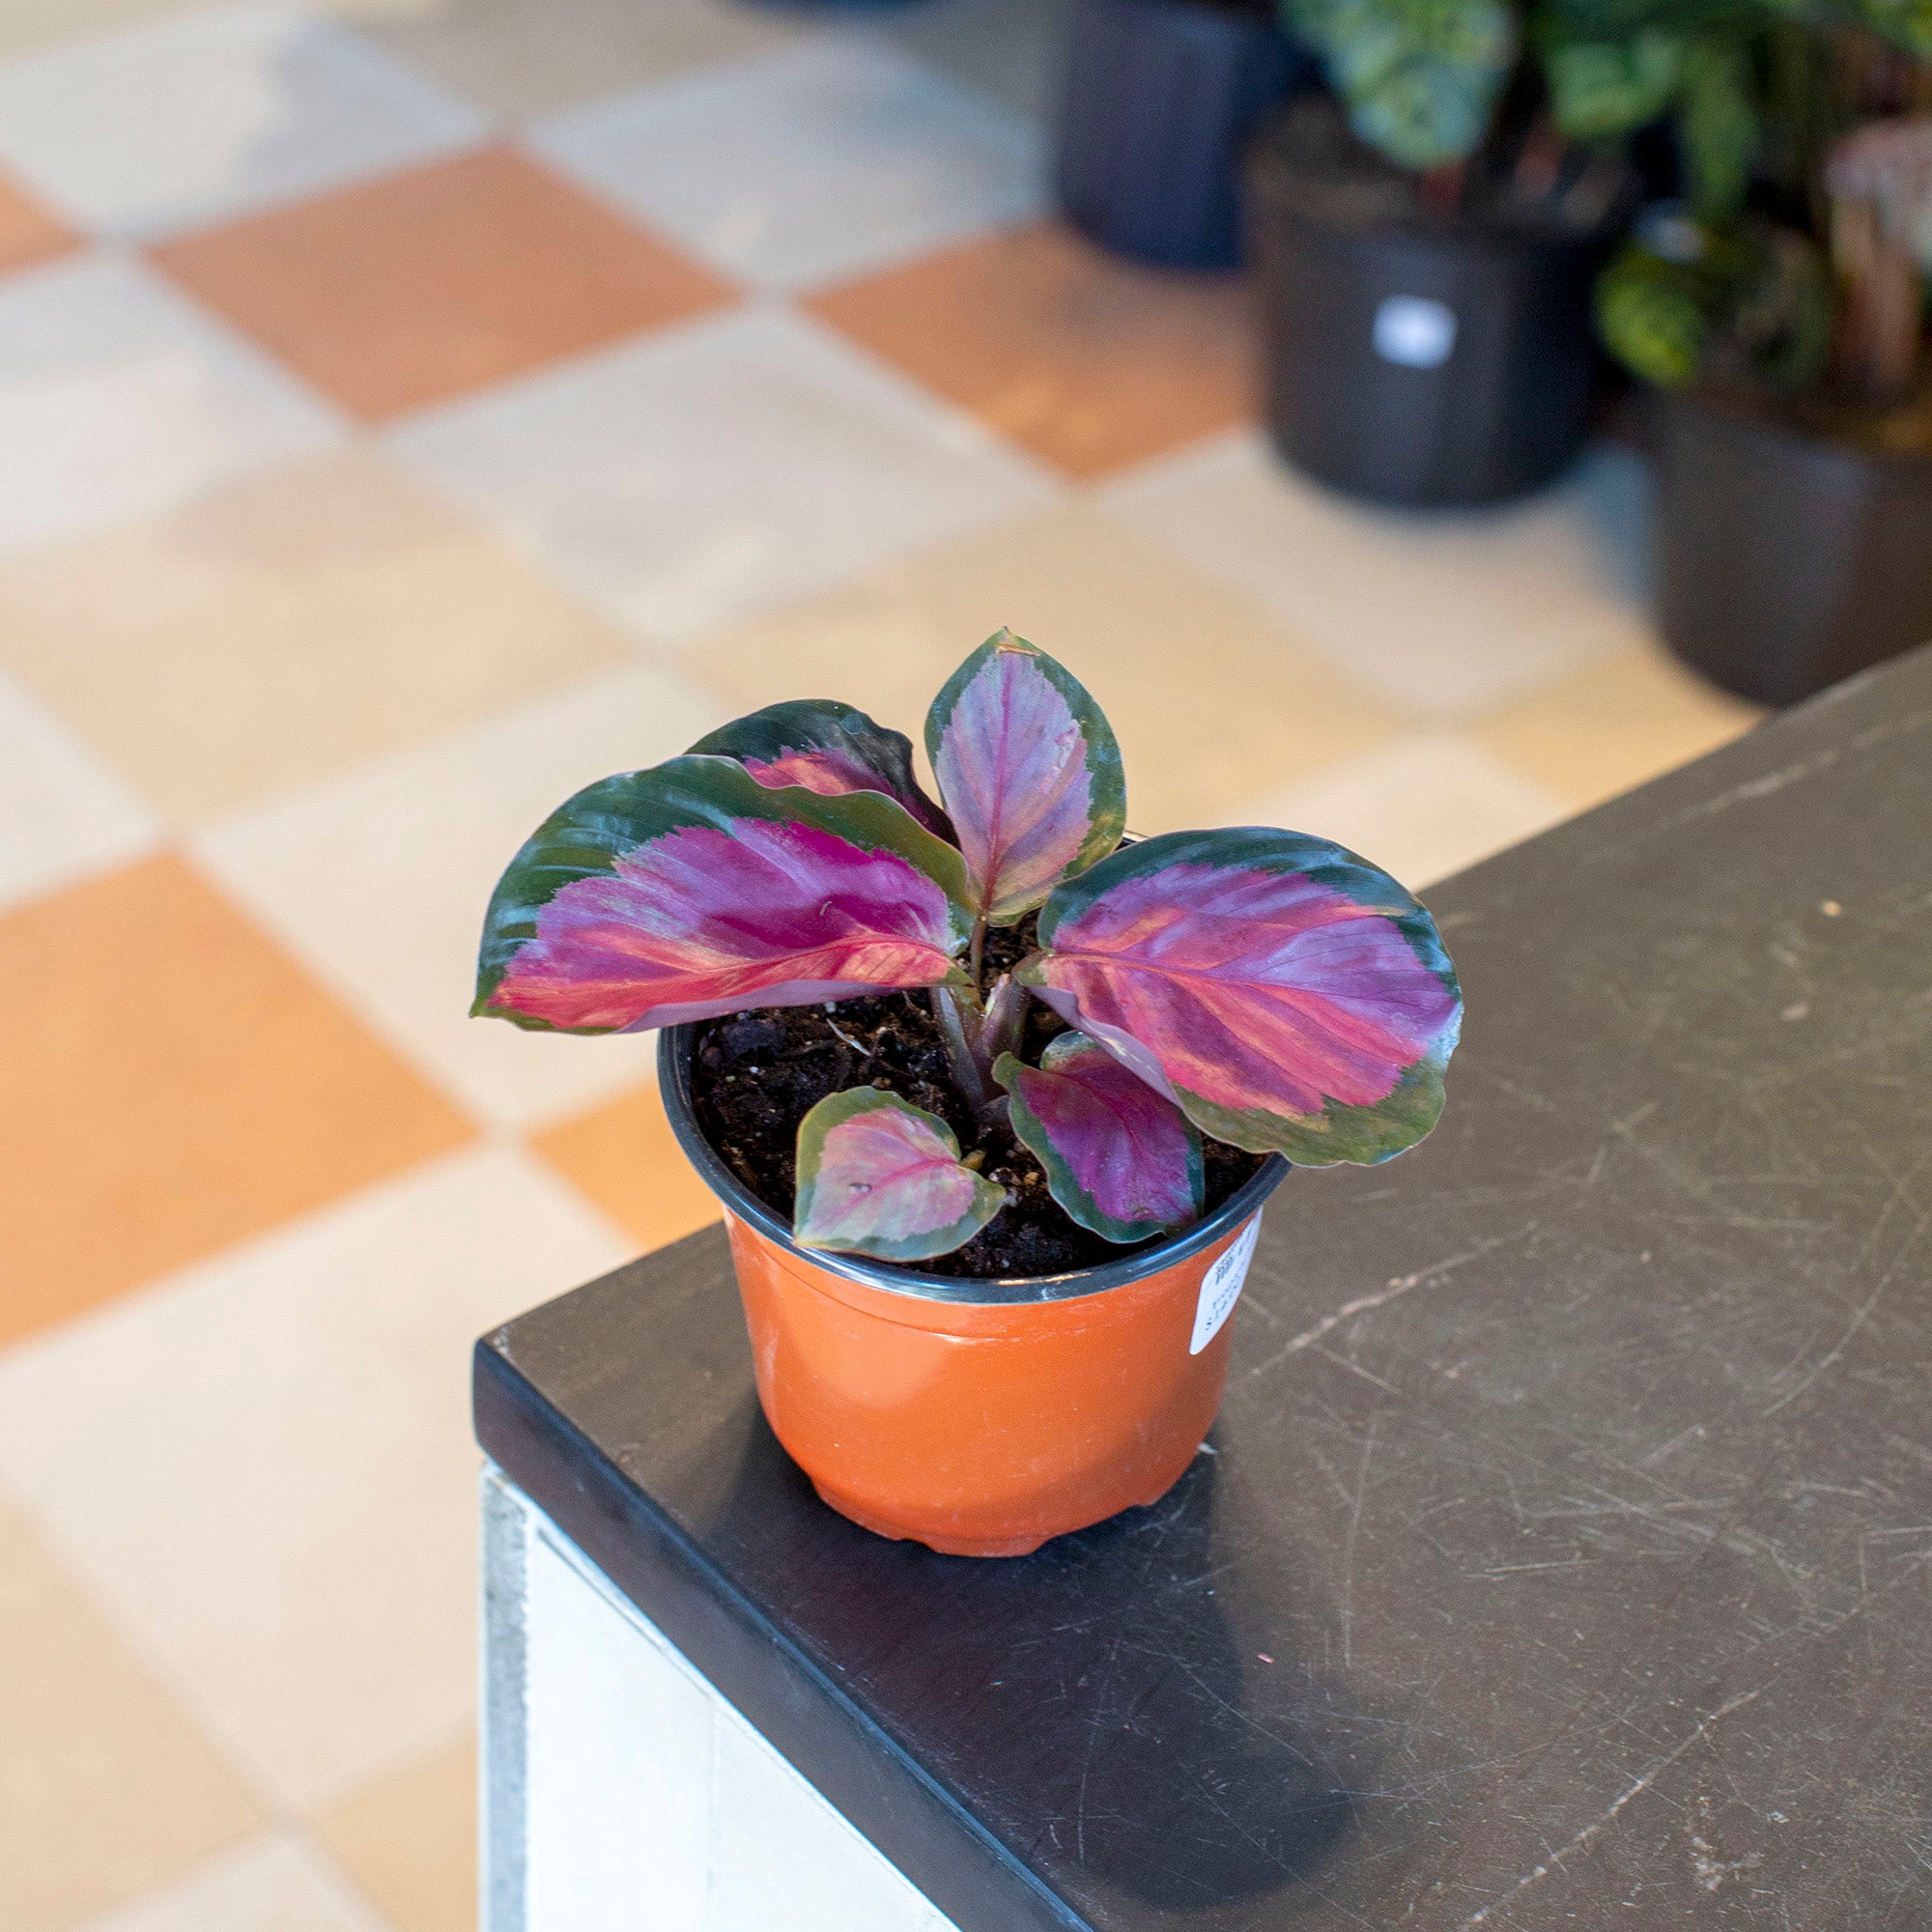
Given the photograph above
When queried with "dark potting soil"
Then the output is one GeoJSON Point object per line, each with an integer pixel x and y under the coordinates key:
{"type": "Point", "coordinates": [1310, 161]}
{"type": "Point", "coordinates": [754, 1075]}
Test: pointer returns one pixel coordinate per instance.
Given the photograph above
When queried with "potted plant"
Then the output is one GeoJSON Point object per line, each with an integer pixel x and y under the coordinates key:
{"type": "Point", "coordinates": [991, 1094]}
{"type": "Point", "coordinates": [1159, 98]}
{"type": "Point", "coordinates": [1784, 330]}
{"type": "Point", "coordinates": [1425, 238]}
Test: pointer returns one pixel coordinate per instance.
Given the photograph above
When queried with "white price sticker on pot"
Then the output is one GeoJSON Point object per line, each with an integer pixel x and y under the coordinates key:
{"type": "Point", "coordinates": [1414, 331]}
{"type": "Point", "coordinates": [1221, 1287]}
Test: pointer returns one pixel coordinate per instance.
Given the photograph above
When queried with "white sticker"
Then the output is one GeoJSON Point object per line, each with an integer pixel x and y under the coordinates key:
{"type": "Point", "coordinates": [1414, 331]}
{"type": "Point", "coordinates": [1222, 1288]}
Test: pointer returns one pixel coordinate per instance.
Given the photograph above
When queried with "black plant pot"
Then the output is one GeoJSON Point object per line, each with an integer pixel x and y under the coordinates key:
{"type": "Point", "coordinates": [1159, 97]}
{"type": "Point", "coordinates": [1420, 360]}
{"type": "Point", "coordinates": [1786, 560]}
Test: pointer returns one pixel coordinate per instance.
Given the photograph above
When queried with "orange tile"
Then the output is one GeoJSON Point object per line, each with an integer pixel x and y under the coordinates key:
{"type": "Point", "coordinates": [170, 1083]}
{"type": "Point", "coordinates": [1083, 359]}
{"type": "Point", "coordinates": [423, 285]}
{"type": "Point", "coordinates": [28, 233]}
{"type": "Point", "coordinates": [625, 1158]}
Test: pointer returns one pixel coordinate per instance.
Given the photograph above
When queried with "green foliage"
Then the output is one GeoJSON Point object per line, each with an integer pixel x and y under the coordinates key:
{"type": "Point", "coordinates": [1652, 316]}
{"type": "Point", "coordinates": [1421, 78]}
{"type": "Point", "coordinates": [1599, 89]}
{"type": "Point", "coordinates": [1718, 127]}
{"type": "Point", "coordinates": [1749, 301]}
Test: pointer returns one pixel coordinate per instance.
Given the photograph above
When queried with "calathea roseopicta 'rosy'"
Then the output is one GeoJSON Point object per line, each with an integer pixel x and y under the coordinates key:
{"type": "Point", "coordinates": [1120, 1158]}
{"type": "Point", "coordinates": [690, 890]}
{"type": "Point", "coordinates": [1030, 772]}
{"type": "Point", "coordinates": [877, 1176]}
{"type": "Point", "coordinates": [1290, 997]}
{"type": "Point", "coordinates": [1269, 989]}
{"type": "Point", "coordinates": [827, 748]}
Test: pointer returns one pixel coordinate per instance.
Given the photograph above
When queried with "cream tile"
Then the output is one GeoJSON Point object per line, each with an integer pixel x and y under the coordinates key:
{"type": "Point", "coordinates": [34, 23]}
{"type": "Point", "coordinates": [409, 1840]}
{"type": "Point", "coordinates": [283, 627]}
{"type": "Point", "coordinates": [262, 1464]}
{"type": "Point", "coordinates": [819, 161]}
{"type": "Point", "coordinates": [105, 1786]}
{"type": "Point", "coordinates": [702, 476]}
{"type": "Point", "coordinates": [1614, 726]}
{"type": "Point", "coordinates": [63, 815]}
{"type": "Point", "coordinates": [1422, 807]}
{"type": "Point", "coordinates": [378, 880]}
{"type": "Point", "coordinates": [187, 119]}
{"type": "Point", "coordinates": [118, 398]}
{"type": "Point", "coordinates": [1213, 702]}
{"type": "Point", "coordinates": [276, 1883]}
{"type": "Point", "coordinates": [537, 56]}
{"type": "Point", "coordinates": [1448, 612]}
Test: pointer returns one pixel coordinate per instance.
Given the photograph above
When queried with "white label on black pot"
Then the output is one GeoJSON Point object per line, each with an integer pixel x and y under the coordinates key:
{"type": "Point", "coordinates": [1416, 331]}
{"type": "Point", "coordinates": [1221, 1287]}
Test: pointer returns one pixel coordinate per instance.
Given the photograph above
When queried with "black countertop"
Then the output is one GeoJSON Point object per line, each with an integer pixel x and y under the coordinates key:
{"type": "Point", "coordinates": [1564, 1553]}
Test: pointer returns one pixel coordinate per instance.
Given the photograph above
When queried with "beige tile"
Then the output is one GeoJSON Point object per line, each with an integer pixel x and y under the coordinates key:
{"type": "Point", "coordinates": [1421, 807]}
{"type": "Point", "coordinates": [281, 629]}
{"type": "Point", "coordinates": [533, 56]}
{"type": "Point", "coordinates": [1450, 613]}
{"type": "Point", "coordinates": [33, 23]}
{"type": "Point", "coordinates": [264, 1466]}
{"type": "Point", "coordinates": [1614, 726]}
{"type": "Point", "coordinates": [105, 1788]}
{"type": "Point", "coordinates": [1213, 703]}
{"type": "Point", "coordinates": [276, 1883]}
{"type": "Point", "coordinates": [409, 1840]}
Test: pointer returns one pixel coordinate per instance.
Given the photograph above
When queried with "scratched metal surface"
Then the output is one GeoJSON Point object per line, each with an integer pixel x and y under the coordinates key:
{"type": "Point", "coordinates": [1564, 1558]}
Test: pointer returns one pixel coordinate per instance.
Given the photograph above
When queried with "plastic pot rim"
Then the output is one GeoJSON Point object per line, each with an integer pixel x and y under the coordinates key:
{"type": "Point", "coordinates": [674, 1050]}
{"type": "Point", "coordinates": [1764, 422]}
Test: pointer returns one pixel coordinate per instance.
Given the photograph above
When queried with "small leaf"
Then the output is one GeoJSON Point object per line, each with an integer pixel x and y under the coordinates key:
{"type": "Point", "coordinates": [1122, 1160]}
{"type": "Point", "coordinates": [1421, 77]}
{"type": "Point", "coordinates": [1029, 771]}
{"type": "Point", "coordinates": [1289, 996]}
{"type": "Point", "coordinates": [1602, 89]}
{"type": "Point", "coordinates": [690, 890]}
{"type": "Point", "coordinates": [1650, 315]}
{"type": "Point", "coordinates": [828, 748]}
{"type": "Point", "coordinates": [879, 1176]}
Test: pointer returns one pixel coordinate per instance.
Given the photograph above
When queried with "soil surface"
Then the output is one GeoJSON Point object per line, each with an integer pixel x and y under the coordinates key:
{"type": "Point", "coordinates": [1308, 161]}
{"type": "Point", "coordinates": [756, 1074]}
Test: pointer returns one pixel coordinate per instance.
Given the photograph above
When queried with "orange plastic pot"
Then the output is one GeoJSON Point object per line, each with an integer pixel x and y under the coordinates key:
{"type": "Point", "coordinates": [982, 1417]}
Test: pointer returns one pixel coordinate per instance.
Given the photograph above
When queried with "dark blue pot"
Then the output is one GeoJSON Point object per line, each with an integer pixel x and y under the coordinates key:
{"type": "Point", "coordinates": [1160, 97]}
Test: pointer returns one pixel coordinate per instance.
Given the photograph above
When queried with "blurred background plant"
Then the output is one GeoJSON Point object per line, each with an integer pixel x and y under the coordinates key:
{"type": "Point", "coordinates": [1795, 266]}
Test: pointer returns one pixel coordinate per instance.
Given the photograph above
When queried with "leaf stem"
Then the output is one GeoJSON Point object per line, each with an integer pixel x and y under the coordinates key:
{"type": "Point", "coordinates": [977, 958]}
{"type": "Point", "coordinates": [960, 1055]}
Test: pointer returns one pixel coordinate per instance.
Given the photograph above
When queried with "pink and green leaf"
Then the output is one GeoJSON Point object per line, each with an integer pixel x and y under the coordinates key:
{"type": "Point", "coordinates": [1120, 1158]}
{"type": "Point", "coordinates": [1290, 997]}
{"type": "Point", "coordinates": [879, 1176]}
{"type": "Point", "coordinates": [1030, 772]}
{"type": "Point", "coordinates": [828, 748]}
{"type": "Point", "coordinates": [691, 890]}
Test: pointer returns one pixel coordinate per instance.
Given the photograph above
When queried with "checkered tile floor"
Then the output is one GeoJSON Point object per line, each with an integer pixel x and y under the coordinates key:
{"type": "Point", "coordinates": [407, 414]}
